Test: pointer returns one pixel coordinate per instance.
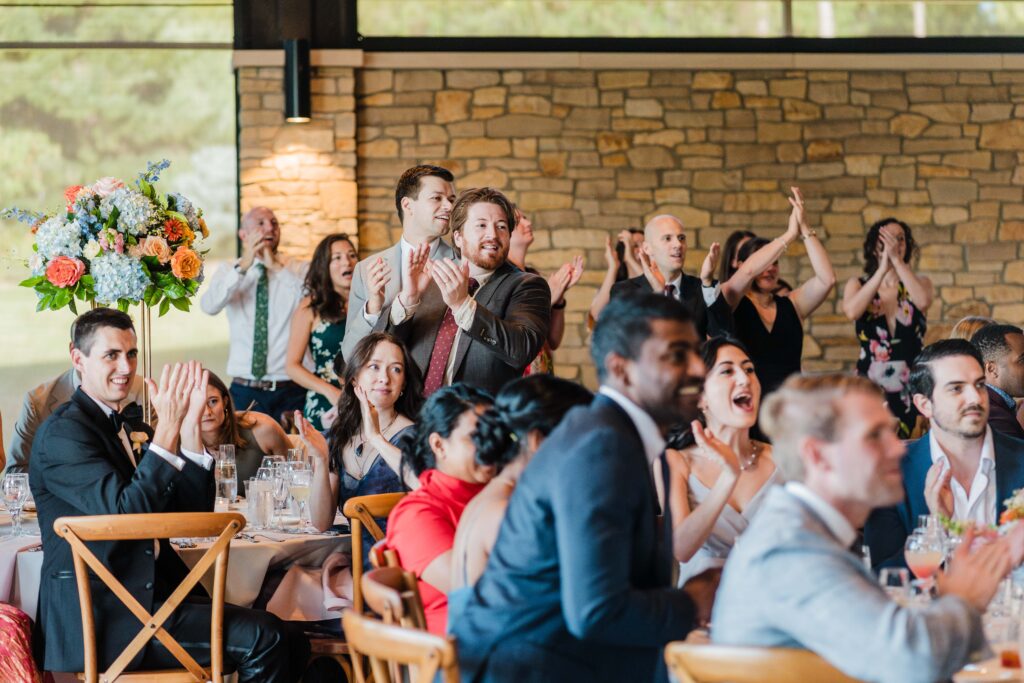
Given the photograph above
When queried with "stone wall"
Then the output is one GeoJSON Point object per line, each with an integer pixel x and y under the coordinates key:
{"type": "Point", "coordinates": [589, 152]}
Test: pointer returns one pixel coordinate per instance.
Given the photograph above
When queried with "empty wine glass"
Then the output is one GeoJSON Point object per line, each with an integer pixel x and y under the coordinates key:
{"type": "Point", "coordinates": [15, 492]}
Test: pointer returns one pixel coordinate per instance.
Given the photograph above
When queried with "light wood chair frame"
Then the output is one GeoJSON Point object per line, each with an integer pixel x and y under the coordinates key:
{"type": "Point", "coordinates": [363, 511]}
{"type": "Point", "coordinates": [139, 527]}
{"type": "Point", "coordinates": [393, 594]}
{"type": "Point", "coordinates": [424, 654]}
{"type": "Point", "coordinates": [692, 663]}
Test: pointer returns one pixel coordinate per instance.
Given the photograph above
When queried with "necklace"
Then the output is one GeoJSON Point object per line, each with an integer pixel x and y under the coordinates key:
{"type": "Point", "coordinates": [750, 462]}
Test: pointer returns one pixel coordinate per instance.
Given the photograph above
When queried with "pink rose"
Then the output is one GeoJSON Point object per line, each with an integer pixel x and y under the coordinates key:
{"type": "Point", "coordinates": [106, 186]}
{"type": "Point", "coordinates": [65, 271]}
{"type": "Point", "coordinates": [158, 247]}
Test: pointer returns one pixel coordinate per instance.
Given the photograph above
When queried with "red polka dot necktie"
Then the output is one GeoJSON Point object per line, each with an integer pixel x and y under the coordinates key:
{"type": "Point", "coordinates": [443, 344]}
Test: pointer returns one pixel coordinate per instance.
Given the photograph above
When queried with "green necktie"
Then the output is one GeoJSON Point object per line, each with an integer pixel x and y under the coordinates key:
{"type": "Point", "coordinates": [259, 328]}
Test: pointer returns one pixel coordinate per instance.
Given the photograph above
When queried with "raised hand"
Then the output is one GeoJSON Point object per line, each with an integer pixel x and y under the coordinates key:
{"type": "Point", "coordinates": [453, 280]}
{"type": "Point", "coordinates": [315, 442]}
{"type": "Point", "coordinates": [577, 270]}
{"type": "Point", "coordinates": [558, 282]}
{"type": "Point", "coordinates": [975, 576]}
{"type": "Point", "coordinates": [611, 258]}
{"type": "Point", "coordinates": [377, 278]}
{"type": "Point", "coordinates": [370, 417]}
{"type": "Point", "coordinates": [628, 254]}
{"type": "Point", "coordinates": [416, 275]}
{"type": "Point", "coordinates": [890, 247]}
{"type": "Point", "coordinates": [252, 246]}
{"type": "Point", "coordinates": [798, 214]}
{"type": "Point", "coordinates": [170, 396]}
{"type": "Point", "coordinates": [197, 397]}
{"type": "Point", "coordinates": [715, 450]}
{"type": "Point", "coordinates": [707, 269]}
{"type": "Point", "coordinates": [653, 274]}
{"type": "Point", "coordinates": [938, 493]}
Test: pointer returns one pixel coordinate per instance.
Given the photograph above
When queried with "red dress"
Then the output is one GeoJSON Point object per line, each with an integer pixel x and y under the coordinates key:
{"type": "Point", "coordinates": [422, 527]}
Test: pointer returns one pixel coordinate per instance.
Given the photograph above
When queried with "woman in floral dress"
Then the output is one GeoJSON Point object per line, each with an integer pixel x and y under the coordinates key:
{"type": "Point", "coordinates": [889, 304]}
{"type": "Point", "coordinates": [318, 325]}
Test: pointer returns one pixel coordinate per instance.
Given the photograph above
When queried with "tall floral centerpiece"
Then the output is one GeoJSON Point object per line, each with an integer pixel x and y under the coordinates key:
{"type": "Point", "coordinates": [117, 245]}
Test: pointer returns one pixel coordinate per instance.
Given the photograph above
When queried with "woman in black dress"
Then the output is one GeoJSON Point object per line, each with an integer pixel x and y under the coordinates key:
{"type": "Point", "coordinates": [771, 326]}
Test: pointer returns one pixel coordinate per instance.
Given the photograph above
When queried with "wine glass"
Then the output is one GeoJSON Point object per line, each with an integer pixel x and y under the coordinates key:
{"type": "Point", "coordinates": [227, 484]}
{"type": "Point", "coordinates": [15, 491]}
{"type": "Point", "coordinates": [299, 488]}
{"type": "Point", "coordinates": [924, 553]}
{"type": "Point", "coordinates": [279, 485]}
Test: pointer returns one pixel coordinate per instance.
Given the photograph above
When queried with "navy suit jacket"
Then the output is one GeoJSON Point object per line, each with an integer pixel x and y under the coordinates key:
{"type": "Point", "coordinates": [887, 529]}
{"type": "Point", "coordinates": [1000, 418]}
{"type": "Point", "coordinates": [711, 321]}
{"type": "Point", "coordinates": [578, 585]}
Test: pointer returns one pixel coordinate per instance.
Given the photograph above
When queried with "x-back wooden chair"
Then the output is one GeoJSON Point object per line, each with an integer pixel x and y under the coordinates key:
{"type": "Point", "coordinates": [420, 654]}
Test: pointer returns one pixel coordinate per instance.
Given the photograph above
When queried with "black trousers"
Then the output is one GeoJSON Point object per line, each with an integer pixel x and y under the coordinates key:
{"type": "Point", "coordinates": [258, 645]}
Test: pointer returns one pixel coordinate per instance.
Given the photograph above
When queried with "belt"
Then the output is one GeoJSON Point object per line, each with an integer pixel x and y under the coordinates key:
{"type": "Point", "coordinates": [264, 384]}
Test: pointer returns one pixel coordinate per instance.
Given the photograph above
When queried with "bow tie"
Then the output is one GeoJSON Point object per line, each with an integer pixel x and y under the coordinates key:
{"type": "Point", "coordinates": [129, 415]}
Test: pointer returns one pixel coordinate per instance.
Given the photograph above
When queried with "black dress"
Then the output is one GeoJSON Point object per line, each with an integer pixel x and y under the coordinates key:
{"type": "Point", "coordinates": [776, 354]}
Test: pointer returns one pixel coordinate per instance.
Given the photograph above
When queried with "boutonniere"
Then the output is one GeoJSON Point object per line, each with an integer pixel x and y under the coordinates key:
{"type": "Point", "coordinates": [138, 438]}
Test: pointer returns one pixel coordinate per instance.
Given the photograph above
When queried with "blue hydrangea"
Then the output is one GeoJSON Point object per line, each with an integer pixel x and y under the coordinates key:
{"type": "Point", "coordinates": [184, 206]}
{"type": "Point", "coordinates": [118, 276]}
{"type": "Point", "coordinates": [58, 237]}
{"type": "Point", "coordinates": [135, 210]}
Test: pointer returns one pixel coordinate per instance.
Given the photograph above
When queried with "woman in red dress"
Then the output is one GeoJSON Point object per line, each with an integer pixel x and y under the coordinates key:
{"type": "Point", "coordinates": [446, 458]}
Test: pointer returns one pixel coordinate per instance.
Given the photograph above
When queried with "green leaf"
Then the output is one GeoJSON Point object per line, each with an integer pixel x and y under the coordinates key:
{"type": "Point", "coordinates": [147, 188]}
{"type": "Point", "coordinates": [112, 219]}
{"type": "Point", "coordinates": [175, 291]}
{"type": "Point", "coordinates": [44, 302]}
{"type": "Point", "coordinates": [60, 299]}
{"type": "Point", "coordinates": [123, 304]}
{"type": "Point", "coordinates": [72, 306]}
{"type": "Point", "coordinates": [181, 304]}
{"type": "Point", "coordinates": [165, 306]}
{"type": "Point", "coordinates": [88, 280]}
{"type": "Point", "coordinates": [32, 281]}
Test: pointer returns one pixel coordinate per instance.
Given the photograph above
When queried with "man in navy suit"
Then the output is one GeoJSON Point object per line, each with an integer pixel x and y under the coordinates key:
{"type": "Point", "coordinates": [961, 468]}
{"type": "Point", "coordinates": [578, 586]}
{"type": "Point", "coordinates": [1002, 350]}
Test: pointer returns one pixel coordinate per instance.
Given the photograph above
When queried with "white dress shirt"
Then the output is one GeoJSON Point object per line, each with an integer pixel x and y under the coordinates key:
{"type": "Point", "coordinates": [980, 506]}
{"type": "Point", "coordinates": [710, 294]}
{"type": "Point", "coordinates": [232, 289]}
{"type": "Point", "coordinates": [833, 520]}
{"type": "Point", "coordinates": [650, 435]}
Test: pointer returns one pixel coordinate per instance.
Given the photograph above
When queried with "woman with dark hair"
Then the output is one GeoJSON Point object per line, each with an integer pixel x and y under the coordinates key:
{"type": "Point", "coordinates": [362, 452]}
{"type": "Point", "coordinates": [318, 325]}
{"type": "Point", "coordinates": [889, 305]}
{"type": "Point", "coordinates": [718, 473]}
{"type": "Point", "coordinates": [252, 434]}
{"type": "Point", "coordinates": [771, 326]}
{"type": "Point", "coordinates": [529, 409]}
{"type": "Point", "coordinates": [730, 253]}
{"type": "Point", "coordinates": [453, 465]}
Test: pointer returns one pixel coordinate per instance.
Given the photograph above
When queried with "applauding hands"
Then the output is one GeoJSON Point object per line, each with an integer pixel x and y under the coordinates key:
{"type": "Point", "coordinates": [179, 400]}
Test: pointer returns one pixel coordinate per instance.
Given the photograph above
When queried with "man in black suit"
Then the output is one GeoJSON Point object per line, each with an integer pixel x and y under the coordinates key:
{"type": "Point", "coordinates": [1002, 349]}
{"type": "Point", "coordinates": [89, 458]}
{"type": "Point", "coordinates": [480, 320]}
{"type": "Point", "coordinates": [662, 256]}
{"type": "Point", "coordinates": [578, 586]}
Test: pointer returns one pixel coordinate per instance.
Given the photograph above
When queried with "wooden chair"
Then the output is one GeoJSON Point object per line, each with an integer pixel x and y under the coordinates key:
{"type": "Point", "coordinates": [727, 664]}
{"type": "Point", "coordinates": [383, 556]}
{"type": "Point", "coordinates": [78, 530]}
{"type": "Point", "coordinates": [363, 511]}
{"type": "Point", "coordinates": [419, 654]}
{"type": "Point", "coordinates": [394, 594]}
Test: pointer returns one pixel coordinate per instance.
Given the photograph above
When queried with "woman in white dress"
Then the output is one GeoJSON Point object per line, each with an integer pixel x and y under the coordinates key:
{"type": "Point", "coordinates": [718, 475]}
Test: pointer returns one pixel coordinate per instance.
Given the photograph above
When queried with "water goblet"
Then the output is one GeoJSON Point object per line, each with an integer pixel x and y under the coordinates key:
{"type": "Point", "coordinates": [299, 488]}
{"type": "Point", "coordinates": [15, 493]}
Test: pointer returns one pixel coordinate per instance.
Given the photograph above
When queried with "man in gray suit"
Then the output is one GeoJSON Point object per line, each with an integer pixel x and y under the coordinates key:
{"type": "Point", "coordinates": [423, 198]}
{"type": "Point", "coordinates": [792, 581]}
{"type": "Point", "coordinates": [480, 320]}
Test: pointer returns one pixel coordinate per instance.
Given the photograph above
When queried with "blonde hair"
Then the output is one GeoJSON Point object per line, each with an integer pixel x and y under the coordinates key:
{"type": "Point", "coordinates": [807, 406]}
{"type": "Point", "coordinates": [966, 327]}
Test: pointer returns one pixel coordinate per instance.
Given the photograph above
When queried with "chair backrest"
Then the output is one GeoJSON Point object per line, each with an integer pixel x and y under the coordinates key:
{"type": "Point", "coordinates": [419, 654]}
{"type": "Point", "coordinates": [393, 594]}
{"type": "Point", "coordinates": [383, 556]}
{"type": "Point", "coordinates": [691, 663]}
{"type": "Point", "coordinates": [79, 530]}
{"type": "Point", "coordinates": [363, 511]}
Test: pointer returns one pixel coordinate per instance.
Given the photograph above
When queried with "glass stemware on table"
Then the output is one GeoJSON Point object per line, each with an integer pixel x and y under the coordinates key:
{"type": "Point", "coordinates": [15, 493]}
{"type": "Point", "coordinates": [299, 485]}
{"type": "Point", "coordinates": [225, 474]}
{"type": "Point", "coordinates": [925, 550]}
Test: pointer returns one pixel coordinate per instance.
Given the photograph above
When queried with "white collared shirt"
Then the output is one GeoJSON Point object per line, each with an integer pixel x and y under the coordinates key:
{"type": "Point", "coordinates": [980, 506]}
{"type": "Point", "coordinates": [650, 435]}
{"type": "Point", "coordinates": [833, 520]}
{"type": "Point", "coordinates": [236, 291]}
{"type": "Point", "coordinates": [710, 294]}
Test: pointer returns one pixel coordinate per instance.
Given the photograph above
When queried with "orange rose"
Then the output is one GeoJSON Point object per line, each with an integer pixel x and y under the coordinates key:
{"type": "Point", "coordinates": [186, 263]}
{"type": "Point", "coordinates": [64, 271]}
{"type": "Point", "coordinates": [156, 246]}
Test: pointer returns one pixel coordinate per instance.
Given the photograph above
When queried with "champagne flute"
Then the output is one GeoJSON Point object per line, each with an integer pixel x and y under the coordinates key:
{"type": "Point", "coordinates": [299, 488]}
{"type": "Point", "coordinates": [15, 492]}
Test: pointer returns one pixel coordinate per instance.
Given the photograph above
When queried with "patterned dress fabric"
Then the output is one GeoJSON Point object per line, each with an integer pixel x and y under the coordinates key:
{"type": "Point", "coordinates": [16, 663]}
{"type": "Point", "coordinates": [324, 345]}
{"type": "Point", "coordinates": [886, 358]}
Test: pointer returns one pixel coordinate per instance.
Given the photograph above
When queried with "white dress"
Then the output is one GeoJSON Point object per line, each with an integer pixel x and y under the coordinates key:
{"type": "Point", "coordinates": [729, 525]}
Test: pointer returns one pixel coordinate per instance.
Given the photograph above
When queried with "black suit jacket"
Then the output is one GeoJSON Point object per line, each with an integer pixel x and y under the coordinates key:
{"type": "Point", "coordinates": [887, 529]}
{"type": "Point", "coordinates": [1000, 418]}
{"type": "Point", "coordinates": [712, 321]}
{"type": "Point", "coordinates": [79, 467]}
{"type": "Point", "coordinates": [513, 316]}
{"type": "Point", "coordinates": [578, 584]}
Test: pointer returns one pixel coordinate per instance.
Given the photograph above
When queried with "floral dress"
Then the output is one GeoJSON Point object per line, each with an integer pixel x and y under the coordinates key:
{"type": "Point", "coordinates": [886, 359]}
{"type": "Point", "coordinates": [324, 345]}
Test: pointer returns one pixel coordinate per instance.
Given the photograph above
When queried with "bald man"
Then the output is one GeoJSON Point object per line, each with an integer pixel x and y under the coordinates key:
{"type": "Point", "coordinates": [662, 255]}
{"type": "Point", "coordinates": [260, 292]}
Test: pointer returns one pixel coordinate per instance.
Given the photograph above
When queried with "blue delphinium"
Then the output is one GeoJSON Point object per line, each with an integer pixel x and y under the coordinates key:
{"type": "Point", "coordinates": [135, 210]}
{"type": "Point", "coordinates": [118, 276]}
{"type": "Point", "coordinates": [21, 215]}
{"type": "Point", "coordinates": [153, 170]}
{"type": "Point", "coordinates": [58, 237]}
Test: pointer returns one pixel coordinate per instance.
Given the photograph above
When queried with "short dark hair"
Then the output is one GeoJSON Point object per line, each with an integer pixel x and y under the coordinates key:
{"type": "Point", "coordinates": [409, 183]}
{"type": "Point", "coordinates": [922, 381]}
{"type": "Point", "coordinates": [84, 328]}
{"type": "Point", "coordinates": [480, 195]}
{"type": "Point", "coordinates": [871, 243]}
{"type": "Point", "coordinates": [990, 340]}
{"type": "Point", "coordinates": [625, 323]}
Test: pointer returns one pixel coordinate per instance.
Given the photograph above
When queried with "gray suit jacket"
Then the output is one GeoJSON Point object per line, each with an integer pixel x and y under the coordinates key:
{"type": "Point", "coordinates": [790, 583]}
{"type": "Point", "coordinates": [356, 326]}
{"type": "Point", "coordinates": [513, 314]}
{"type": "Point", "coordinates": [37, 406]}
